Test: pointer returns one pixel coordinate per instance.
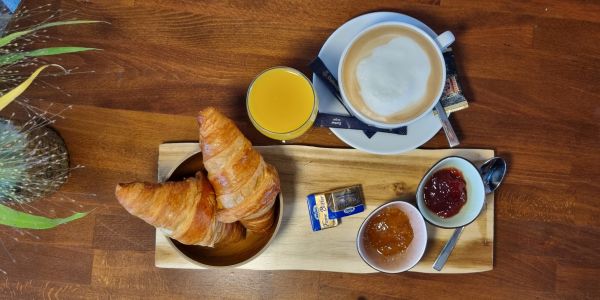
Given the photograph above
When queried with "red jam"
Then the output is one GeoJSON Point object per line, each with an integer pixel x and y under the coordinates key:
{"type": "Point", "coordinates": [446, 192]}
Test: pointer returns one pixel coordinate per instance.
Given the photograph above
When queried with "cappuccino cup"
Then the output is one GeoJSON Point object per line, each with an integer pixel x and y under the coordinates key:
{"type": "Point", "coordinates": [393, 73]}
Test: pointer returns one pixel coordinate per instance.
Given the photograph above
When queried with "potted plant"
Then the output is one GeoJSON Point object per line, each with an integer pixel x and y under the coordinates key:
{"type": "Point", "coordinates": [33, 158]}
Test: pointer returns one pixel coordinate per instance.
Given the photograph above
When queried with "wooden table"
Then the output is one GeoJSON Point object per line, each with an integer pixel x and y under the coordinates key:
{"type": "Point", "coordinates": [530, 70]}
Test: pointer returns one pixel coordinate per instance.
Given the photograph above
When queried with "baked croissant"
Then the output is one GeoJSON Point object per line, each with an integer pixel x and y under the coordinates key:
{"type": "Point", "coordinates": [245, 185]}
{"type": "Point", "coordinates": [184, 210]}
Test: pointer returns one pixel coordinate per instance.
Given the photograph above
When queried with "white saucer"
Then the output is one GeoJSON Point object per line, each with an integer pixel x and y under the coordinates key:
{"type": "Point", "coordinates": [419, 132]}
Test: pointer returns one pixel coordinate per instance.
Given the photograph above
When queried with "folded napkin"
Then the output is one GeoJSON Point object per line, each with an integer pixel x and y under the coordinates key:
{"type": "Point", "coordinates": [452, 99]}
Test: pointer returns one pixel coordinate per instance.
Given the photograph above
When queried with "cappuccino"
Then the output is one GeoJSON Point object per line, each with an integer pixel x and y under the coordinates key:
{"type": "Point", "coordinates": [392, 74]}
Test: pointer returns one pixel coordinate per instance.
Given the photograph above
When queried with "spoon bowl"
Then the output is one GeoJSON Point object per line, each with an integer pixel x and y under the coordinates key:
{"type": "Point", "coordinates": [492, 172]}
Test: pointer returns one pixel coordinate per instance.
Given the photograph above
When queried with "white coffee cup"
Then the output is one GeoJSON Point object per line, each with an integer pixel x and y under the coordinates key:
{"type": "Point", "coordinates": [433, 49]}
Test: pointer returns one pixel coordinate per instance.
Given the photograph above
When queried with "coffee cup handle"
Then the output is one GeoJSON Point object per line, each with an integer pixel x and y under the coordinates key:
{"type": "Point", "coordinates": [445, 39]}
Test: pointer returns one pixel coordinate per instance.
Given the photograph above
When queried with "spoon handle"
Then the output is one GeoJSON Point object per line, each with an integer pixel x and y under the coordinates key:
{"type": "Point", "coordinates": [447, 250]}
{"type": "Point", "coordinates": [450, 134]}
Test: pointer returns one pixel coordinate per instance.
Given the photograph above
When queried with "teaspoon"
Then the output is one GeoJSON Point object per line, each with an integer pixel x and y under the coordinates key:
{"type": "Point", "coordinates": [492, 172]}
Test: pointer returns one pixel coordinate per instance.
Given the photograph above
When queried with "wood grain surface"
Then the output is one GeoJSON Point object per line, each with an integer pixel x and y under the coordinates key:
{"type": "Point", "coordinates": [304, 170]}
{"type": "Point", "coordinates": [530, 70]}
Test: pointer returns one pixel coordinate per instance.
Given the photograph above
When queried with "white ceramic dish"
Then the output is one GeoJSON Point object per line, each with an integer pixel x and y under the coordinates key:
{"type": "Point", "coordinates": [475, 193]}
{"type": "Point", "coordinates": [419, 132]}
{"type": "Point", "coordinates": [415, 250]}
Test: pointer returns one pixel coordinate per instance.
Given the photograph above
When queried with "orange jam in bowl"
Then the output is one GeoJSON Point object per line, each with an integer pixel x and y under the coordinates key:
{"type": "Point", "coordinates": [388, 232]}
{"type": "Point", "coordinates": [392, 238]}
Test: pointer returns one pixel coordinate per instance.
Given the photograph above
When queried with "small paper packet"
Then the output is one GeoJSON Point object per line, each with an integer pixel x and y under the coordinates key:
{"type": "Point", "coordinates": [318, 212]}
{"type": "Point", "coordinates": [326, 209]}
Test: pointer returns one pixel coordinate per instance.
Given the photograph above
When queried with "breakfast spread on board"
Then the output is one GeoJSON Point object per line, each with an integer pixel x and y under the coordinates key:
{"type": "Point", "coordinates": [394, 72]}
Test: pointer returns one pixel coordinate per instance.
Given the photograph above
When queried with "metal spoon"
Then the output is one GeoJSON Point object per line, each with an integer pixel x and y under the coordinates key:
{"type": "Point", "coordinates": [448, 129]}
{"type": "Point", "coordinates": [492, 172]}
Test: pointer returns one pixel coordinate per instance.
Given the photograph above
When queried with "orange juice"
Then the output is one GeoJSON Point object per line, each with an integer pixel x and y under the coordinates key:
{"type": "Point", "coordinates": [281, 103]}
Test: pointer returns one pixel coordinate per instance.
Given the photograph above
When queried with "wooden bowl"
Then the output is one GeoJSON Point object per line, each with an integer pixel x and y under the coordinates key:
{"type": "Point", "coordinates": [229, 255]}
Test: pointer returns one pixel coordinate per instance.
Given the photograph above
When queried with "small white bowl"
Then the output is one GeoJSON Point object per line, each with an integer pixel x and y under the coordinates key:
{"type": "Point", "coordinates": [475, 194]}
{"type": "Point", "coordinates": [414, 252]}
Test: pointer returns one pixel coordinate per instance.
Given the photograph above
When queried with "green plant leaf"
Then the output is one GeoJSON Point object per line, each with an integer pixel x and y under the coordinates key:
{"type": "Point", "coordinates": [15, 35]}
{"type": "Point", "coordinates": [11, 58]}
{"type": "Point", "coordinates": [18, 219]}
{"type": "Point", "coordinates": [17, 91]}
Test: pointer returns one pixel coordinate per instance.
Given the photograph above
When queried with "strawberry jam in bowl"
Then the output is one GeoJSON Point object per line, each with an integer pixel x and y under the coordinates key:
{"type": "Point", "coordinates": [451, 194]}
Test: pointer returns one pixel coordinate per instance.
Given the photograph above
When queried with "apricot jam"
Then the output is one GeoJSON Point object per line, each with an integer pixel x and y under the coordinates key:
{"type": "Point", "coordinates": [446, 192]}
{"type": "Point", "coordinates": [388, 232]}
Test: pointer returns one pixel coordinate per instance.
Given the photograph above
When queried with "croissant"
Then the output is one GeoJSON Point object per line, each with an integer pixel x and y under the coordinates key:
{"type": "Point", "coordinates": [246, 186]}
{"type": "Point", "coordinates": [185, 210]}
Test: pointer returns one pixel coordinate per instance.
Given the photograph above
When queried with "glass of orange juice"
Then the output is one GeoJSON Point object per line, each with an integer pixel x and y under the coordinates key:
{"type": "Point", "coordinates": [282, 103]}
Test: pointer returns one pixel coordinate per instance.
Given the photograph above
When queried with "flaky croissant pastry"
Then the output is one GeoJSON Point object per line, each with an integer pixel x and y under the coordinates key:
{"type": "Point", "coordinates": [245, 185]}
{"type": "Point", "coordinates": [185, 210]}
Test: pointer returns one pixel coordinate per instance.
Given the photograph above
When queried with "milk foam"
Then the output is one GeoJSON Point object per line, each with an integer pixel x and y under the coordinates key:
{"type": "Point", "coordinates": [394, 77]}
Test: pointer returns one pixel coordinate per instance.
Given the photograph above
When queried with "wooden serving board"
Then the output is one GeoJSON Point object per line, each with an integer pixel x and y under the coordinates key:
{"type": "Point", "coordinates": [304, 170]}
